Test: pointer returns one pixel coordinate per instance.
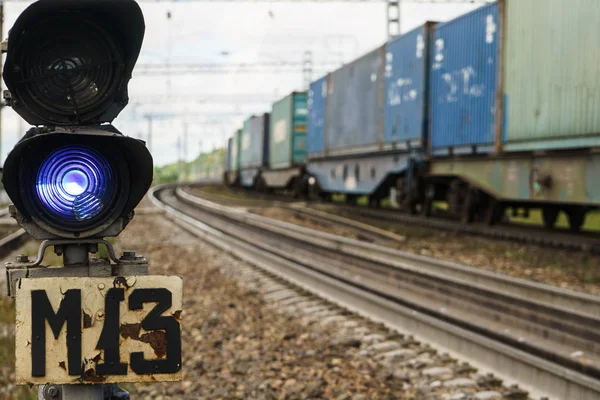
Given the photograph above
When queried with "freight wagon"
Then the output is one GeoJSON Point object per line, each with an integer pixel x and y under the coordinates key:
{"type": "Point", "coordinates": [254, 150]}
{"type": "Point", "coordinates": [496, 109]}
{"type": "Point", "coordinates": [287, 144]}
{"type": "Point", "coordinates": [232, 161]}
{"type": "Point", "coordinates": [370, 120]}
{"type": "Point", "coordinates": [515, 111]}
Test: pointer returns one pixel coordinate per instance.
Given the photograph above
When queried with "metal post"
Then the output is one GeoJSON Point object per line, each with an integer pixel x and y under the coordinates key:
{"type": "Point", "coordinates": [149, 118]}
{"type": "Point", "coordinates": [200, 167]}
{"type": "Point", "coordinates": [307, 68]}
{"type": "Point", "coordinates": [81, 392]}
{"type": "Point", "coordinates": [393, 19]}
{"type": "Point", "coordinates": [185, 152]}
{"type": "Point", "coordinates": [179, 167]}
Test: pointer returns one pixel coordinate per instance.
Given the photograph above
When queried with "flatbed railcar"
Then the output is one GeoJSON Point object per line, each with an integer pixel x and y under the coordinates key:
{"type": "Point", "coordinates": [496, 109]}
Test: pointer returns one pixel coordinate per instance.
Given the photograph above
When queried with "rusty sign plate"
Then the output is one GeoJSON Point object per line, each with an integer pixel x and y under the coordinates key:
{"type": "Point", "coordinates": [98, 330]}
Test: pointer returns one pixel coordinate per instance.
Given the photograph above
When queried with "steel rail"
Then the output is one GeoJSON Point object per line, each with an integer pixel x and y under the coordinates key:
{"type": "Point", "coordinates": [540, 372]}
{"type": "Point", "coordinates": [365, 231]}
{"type": "Point", "coordinates": [12, 242]}
{"type": "Point", "coordinates": [544, 331]}
{"type": "Point", "coordinates": [568, 300]}
{"type": "Point", "coordinates": [517, 233]}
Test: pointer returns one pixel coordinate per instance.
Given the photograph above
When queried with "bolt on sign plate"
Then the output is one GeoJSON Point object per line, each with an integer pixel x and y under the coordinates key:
{"type": "Point", "coordinates": [98, 330]}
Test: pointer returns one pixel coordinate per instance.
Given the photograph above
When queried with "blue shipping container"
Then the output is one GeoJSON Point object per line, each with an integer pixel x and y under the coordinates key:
{"type": "Point", "coordinates": [464, 65]}
{"type": "Point", "coordinates": [317, 109]}
{"type": "Point", "coordinates": [406, 76]}
{"type": "Point", "coordinates": [355, 107]}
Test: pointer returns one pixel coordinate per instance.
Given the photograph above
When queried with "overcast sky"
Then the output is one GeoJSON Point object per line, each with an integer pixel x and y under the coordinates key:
{"type": "Point", "coordinates": [214, 105]}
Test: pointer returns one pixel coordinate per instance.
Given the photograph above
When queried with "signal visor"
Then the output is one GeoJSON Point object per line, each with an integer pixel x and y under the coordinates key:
{"type": "Point", "coordinates": [77, 183]}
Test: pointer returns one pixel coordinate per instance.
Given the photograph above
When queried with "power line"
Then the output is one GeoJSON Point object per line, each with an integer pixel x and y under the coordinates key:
{"type": "Point", "coordinates": [231, 68]}
{"type": "Point", "coordinates": [297, 1]}
{"type": "Point", "coordinates": [201, 98]}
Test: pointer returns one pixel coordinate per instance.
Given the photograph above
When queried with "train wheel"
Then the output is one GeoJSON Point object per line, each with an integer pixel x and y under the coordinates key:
{"type": "Point", "coordinates": [411, 205]}
{"type": "Point", "coordinates": [495, 212]}
{"type": "Point", "coordinates": [297, 185]}
{"type": "Point", "coordinates": [549, 216]}
{"type": "Point", "coordinates": [469, 208]}
{"type": "Point", "coordinates": [261, 185]}
{"type": "Point", "coordinates": [576, 218]}
{"type": "Point", "coordinates": [373, 202]}
{"type": "Point", "coordinates": [427, 208]}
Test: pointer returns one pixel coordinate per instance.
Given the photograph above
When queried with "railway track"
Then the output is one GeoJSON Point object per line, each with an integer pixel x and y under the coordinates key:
{"type": "Point", "coordinates": [543, 337]}
{"type": "Point", "coordinates": [12, 240]}
{"type": "Point", "coordinates": [362, 231]}
{"type": "Point", "coordinates": [521, 233]}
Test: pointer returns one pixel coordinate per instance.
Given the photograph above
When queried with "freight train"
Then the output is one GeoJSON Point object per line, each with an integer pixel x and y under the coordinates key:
{"type": "Point", "coordinates": [497, 109]}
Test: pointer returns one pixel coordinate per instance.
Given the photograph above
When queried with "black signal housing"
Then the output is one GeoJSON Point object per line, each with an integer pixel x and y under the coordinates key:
{"type": "Point", "coordinates": [69, 61]}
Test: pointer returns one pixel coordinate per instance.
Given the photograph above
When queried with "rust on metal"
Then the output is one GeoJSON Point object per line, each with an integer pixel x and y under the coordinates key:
{"type": "Point", "coordinates": [90, 376]}
{"type": "Point", "coordinates": [121, 281]}
{"type": "Point", "coordinates": [87, 320]}
{"type": "Point", "coordinates": [130, 330]}
{"type": "Point", "coordinates": [156, 339]}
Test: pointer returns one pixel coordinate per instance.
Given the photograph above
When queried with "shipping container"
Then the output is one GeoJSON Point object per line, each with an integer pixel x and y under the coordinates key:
{"type": "Point", "coordinates": [355, 106]}
{"type": "Point", "coordinates": [235, 150]}
{"type": "Point", "coordinates": [232, 158]}
{"type": "Point", "coordinates": [228, 158]}
{"type": "Point", "coordinates": [254, 142]}
{"type": "Point", "coordinates": [406, 88]}
{"type": "Point", "coordinates": [552, 74]}
{"type": "Point", "coordinates": [517, 76]}
{"type": "Point", "coordinates": [464, 75]}
{"type": "Point", "coordinates": [317, 113]}
{"type": "Point", "coordinates": [287, 136]}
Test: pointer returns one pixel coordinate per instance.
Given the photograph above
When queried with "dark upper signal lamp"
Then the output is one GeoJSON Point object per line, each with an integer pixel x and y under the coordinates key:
{"type": "Point", "coordinates": [67, 69]}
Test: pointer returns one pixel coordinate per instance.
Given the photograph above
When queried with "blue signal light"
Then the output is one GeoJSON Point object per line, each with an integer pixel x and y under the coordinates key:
{"type": "Point", "coordinates": [75, 183]}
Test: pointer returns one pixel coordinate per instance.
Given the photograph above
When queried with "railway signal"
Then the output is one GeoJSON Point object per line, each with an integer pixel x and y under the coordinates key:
{"type": "Point", "coordinates": [75, 180]}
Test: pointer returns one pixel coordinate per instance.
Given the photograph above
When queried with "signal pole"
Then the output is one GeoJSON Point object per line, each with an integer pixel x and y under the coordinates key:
{"type": "Point", "coordinates": [150, 121]}
{"type": "Point", "coordinates": [307, 68]}
{"type": "Point", "coordinates": [1, 92]}
{"type": "Point", "coordinates": [99, 177]}
{"type": "Point", "coordinates": [393, 18]}
{"type": "Point", "coordinates": [185, 152]}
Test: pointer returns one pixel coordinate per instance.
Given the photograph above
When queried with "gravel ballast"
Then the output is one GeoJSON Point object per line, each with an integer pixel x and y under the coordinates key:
{"type": "Point", "coordinates": [249, 336]}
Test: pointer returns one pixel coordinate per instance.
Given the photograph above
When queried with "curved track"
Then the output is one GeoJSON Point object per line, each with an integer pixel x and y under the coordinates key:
{"type": "Point", "coordinates": [544, 337]}
{"type": "Point", "coordinates": [558, 238]}
{"type": "Point", "coordinates": [13, 240]}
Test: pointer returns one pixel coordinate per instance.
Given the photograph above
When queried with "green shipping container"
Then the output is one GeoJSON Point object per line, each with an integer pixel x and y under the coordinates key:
{"type": "Point", "coordinates": [288, 131]}
{"type": "Point", "coordinates": [551, 74]}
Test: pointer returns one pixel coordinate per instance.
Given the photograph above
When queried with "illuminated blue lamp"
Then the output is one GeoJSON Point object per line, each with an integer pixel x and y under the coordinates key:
{"type": "Point", "coordinates": [75, 183]}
